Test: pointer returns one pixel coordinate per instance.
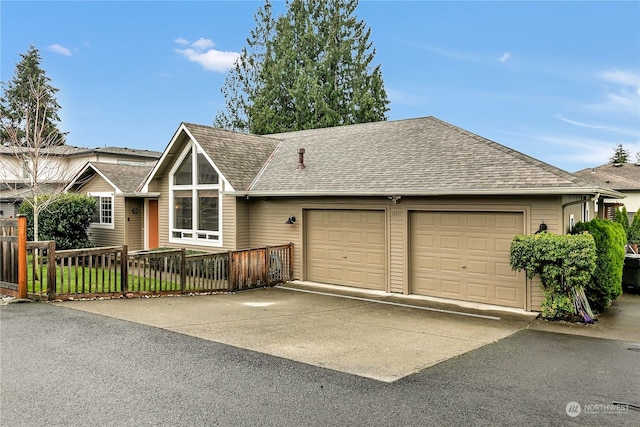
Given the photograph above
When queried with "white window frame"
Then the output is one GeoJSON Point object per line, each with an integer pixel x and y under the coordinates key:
{"type": "Point", "coordinates": [101, 196]}
{"type": "Point", "coordinates": [194, 236]}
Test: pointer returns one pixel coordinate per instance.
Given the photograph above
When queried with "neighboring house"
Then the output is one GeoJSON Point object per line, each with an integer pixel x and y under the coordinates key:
{"type": "Point", "coordinates": [414, 206]}
{"type": "Point", "coordinates": [622, 177]}
{"type": "Point", "coordinates": [57, 166]}
{"type": "Point", "coordinates": [119, 218]}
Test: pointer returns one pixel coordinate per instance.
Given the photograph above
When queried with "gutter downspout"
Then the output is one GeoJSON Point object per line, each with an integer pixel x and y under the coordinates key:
{"type": "Point", "coordinates": [581, 201]}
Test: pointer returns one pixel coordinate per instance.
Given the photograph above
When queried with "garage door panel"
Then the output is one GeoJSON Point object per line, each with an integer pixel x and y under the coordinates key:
{"type": "Point", "coordinates": [478, 267]}
{"type": "Point", "coordinates": [451, 287]}
{"type": "Point", "coordinates": [504, 270]}
{"type": "Point", "coordinates": [477, 243]}
{"type": "Point", "coordinates": [503, 246]}
{"type": "Point", "coordinates": [450, 220]}
{"type": "Point", "coordinates": [507, 295]}
{"type": "Point", "coordinates": [442, 242]}
{"type": "Point", "coordinates": [478, 290]}
{"type": "Point", "coordinates": [451, 243]}
{"type": "Point", "coordinates": [355, 242]}
{"type": "Point", "coordinates": [449, 265]}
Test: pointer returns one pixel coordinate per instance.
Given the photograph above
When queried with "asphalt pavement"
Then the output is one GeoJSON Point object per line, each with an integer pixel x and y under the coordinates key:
{"type": "Point", "coordinates": [64, 366]}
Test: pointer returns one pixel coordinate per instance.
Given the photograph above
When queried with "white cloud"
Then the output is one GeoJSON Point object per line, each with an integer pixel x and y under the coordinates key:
{"type": "Point", "coordinates": [60, 49]}
{"type": "Point", "coordinates": [573, 122]}
{"type": "Point", "coordinates": [201, 51]}
{"type": "Point", "coordinates": [624, 78]}
{"type": "Point", "coordinates": [202, 44]}
{"type": "Point", "coordinates": [615, 129]}
{"type": "Point", "coordinates": [505, 57]}
{"type": "Point", "coordinates": [622, 102]}
{"type": "Point", "coordinates": [626, 100]}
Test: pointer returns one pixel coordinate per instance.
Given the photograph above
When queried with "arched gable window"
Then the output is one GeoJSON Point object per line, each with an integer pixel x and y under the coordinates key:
{"type": "Point", "coordinates": [194, 189]}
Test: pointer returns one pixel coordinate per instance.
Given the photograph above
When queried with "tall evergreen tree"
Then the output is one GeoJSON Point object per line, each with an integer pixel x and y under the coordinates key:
{"type": "Point", "coordinates": [28, 105]}
{"type": "Point", "coordinates": [620, 155]}
{"type": "Point", "coordinates": [243, 81]}
{"type": "Point", "coordinates": [28, 127]}
{"type": "Point", "coordinates": [309, 68]}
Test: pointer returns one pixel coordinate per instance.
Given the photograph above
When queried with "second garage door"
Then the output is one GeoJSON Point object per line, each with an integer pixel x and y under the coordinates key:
{"type": "Point", "coordinates": [465, 255]}
{"type": "Point", "coordinates": [346, 247]}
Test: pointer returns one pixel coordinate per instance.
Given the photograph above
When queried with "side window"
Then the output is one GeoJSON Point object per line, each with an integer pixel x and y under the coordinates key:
{"type": "Point", "coordinates": [104, 212]}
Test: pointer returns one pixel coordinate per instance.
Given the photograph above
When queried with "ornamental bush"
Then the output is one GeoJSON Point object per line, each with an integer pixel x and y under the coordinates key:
{"type": "Point", "coordinates": [622, 218]}
{"type": "Point", "coordinates": [606, 283]}
{"type": "Point", "coordinates": [634, 229]}
{"type": "Point", "coordinates": [64, 221]}
{"type": "Point", "coordinates": [564, 263]}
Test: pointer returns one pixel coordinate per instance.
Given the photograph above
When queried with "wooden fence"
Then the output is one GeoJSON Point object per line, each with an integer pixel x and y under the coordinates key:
{"type": "Point", "coordinates": [13, 236]}
{"type": "Point", "coordinates": [112, 271]}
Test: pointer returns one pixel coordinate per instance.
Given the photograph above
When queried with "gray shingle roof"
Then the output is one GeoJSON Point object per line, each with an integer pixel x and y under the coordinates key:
{"type": "Point", "coordinates": [423, 155]}
{"type": "Point", "coordinates": [126, 178]}
{"type": "Point", "coordinates": [622, 177]}
{"type": "Point", "coordinates": [239, 156]}
{"type": "Point", "coordinates": [70, 150]}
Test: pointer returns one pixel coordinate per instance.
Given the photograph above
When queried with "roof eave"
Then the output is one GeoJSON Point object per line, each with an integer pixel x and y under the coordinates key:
{"type": "Point", "coordinates": [603, 192]}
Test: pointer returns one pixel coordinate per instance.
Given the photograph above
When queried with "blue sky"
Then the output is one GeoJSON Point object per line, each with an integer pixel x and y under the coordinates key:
{"type": "Point", "coordinates": [556, 80]}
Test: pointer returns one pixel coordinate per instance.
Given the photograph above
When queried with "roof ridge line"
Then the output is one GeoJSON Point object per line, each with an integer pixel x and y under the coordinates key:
{"type": "Point", "coordinates": [266, 163]}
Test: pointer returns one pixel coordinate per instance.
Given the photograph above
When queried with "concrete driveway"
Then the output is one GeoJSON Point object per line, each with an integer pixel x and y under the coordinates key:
{"type": "Point", "coordinates": [374, 336]}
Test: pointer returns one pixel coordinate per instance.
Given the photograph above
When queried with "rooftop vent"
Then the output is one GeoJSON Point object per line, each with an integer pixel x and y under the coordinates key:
{"type": "Point", "coordinates": [301, 158]}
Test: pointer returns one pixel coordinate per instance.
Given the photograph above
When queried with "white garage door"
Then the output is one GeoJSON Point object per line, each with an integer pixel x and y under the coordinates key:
{"type": "Point", "coordinates": [346, 247]}
{"type": "Point", "coordinates": [465, 255]}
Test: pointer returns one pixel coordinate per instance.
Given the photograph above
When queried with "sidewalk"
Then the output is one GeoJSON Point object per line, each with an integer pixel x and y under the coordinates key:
{"type": "Point", "coordinates": [621, 322]}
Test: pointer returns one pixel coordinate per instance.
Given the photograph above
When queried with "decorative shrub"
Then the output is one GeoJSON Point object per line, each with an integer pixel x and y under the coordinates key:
{"type": "Point", "coordinates": [610, 239]}
{"type": "Point", "coordinates": [622, 218]}
{"type": "Point", "coordinates": [634, 230]}
{"type": "Point", "coordinates": [565, 265]}
{"type": "Point", "coordinates": [64, 221]}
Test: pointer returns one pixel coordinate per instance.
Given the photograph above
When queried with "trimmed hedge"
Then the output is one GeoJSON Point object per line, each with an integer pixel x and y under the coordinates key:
{"type": "Point", "coordinates": [64, 221]}
{"type": "Point", "coordinates": [610, 239]}
{"type": "Point", "coordinates": [564, 263]}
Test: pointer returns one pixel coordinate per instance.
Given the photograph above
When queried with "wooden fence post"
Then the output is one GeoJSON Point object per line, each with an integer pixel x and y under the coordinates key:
{"type": "Point", "coordinates": [124, 270]}
{"type": "Point", "coordinates": [290, 261]}
{"type": "Point", "coordinates": [231, 277]}
{"type": "Point", "coordinates": [51, 271]}
{"type": "Point", "coordinates": [22, 256]}
{"type": "Point", "coordinates": [183, 272]}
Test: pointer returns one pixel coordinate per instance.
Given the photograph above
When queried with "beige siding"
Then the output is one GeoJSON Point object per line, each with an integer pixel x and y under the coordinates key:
{"type": "Point", "coordinates": [162, 185]}
{"type": "Point", "coordinates": [267, 225]}
{"type": "Point", "coordinates": [243, 238]}
{"type": "Point", "coordinates": [547, 210]}
{"type": "Point", "coordinates": [229, 222]}
{"type": "Point", "coordinates": [259, 222]}
{"type": "Point", "coordinates": [104, 236]}
{"type": "Point", "coordinates": [397, 250]}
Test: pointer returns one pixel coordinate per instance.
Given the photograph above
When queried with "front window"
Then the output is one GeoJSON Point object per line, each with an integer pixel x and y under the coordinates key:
{"type": "Point", "coordinates": [103, 215]}
{"type": "Point", "coordinates": [195, 200]}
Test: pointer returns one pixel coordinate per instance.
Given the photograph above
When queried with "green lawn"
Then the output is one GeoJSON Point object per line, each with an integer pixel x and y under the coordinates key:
{"type": "Point", "coordinates": [85, 280]}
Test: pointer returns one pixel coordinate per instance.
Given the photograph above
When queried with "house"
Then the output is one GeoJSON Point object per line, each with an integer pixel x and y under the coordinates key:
{"type": "Point", "coordinates": [416, 207]}
{"type": "Point", "coordinates": [119, 217]}
{"type": "Point", "coordinates": [622, 177]}
{"type": "Point", "coordinates": [57, 165]}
